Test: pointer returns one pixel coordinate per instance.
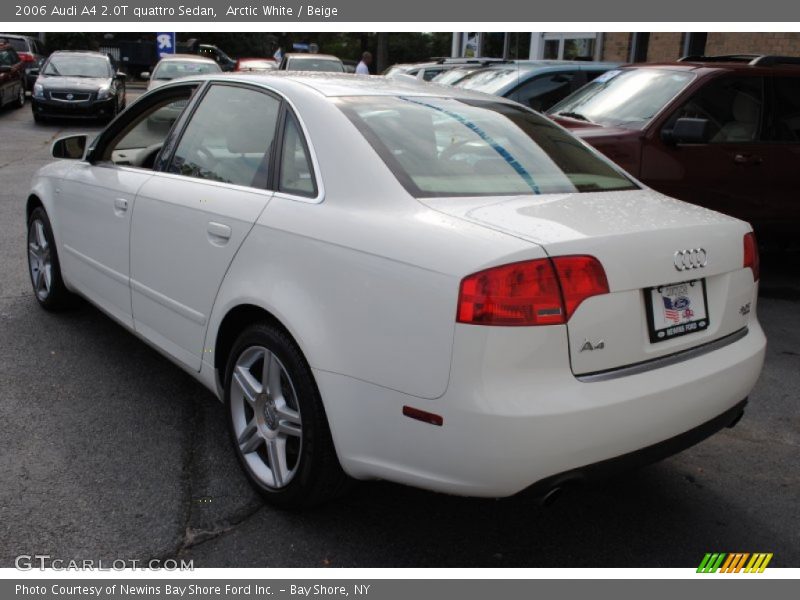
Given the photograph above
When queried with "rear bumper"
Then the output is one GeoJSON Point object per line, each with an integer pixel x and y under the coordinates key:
{"type": "Point", "coordinates": [515, 416]}
{"type": "Point", "coordinates": [642, 457]}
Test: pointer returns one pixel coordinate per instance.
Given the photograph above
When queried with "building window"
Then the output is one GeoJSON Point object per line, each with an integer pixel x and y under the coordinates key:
{"type": "Point", "coordinates": [568, 46]}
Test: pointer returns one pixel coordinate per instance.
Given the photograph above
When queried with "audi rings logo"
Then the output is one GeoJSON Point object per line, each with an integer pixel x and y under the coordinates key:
{"type": "Point", "coordinates": [693, 258]}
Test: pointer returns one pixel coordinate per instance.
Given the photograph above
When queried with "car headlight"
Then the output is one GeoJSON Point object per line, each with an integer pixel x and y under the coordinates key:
{"type": "Point", "coordinates": [103, 92]}
{"type": "Point", "coordinates": [38, 90]}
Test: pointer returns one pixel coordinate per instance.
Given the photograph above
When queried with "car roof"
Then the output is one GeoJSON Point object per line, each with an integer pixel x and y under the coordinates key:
{"type": "Point", "coordinates": [310, 56]}
{"type": "Point", "coordinates": [333, 85]}
{"type": "Point", "coordinates": [82, 53]}
{"type": "Point", "coordinates": [544, 65]}
{"type": "Point", "coordinates": [734, 63]}
{"type": "Point", "coordinates": [16, 36]}
{"type": "Point", "coordinates": [186, 57]}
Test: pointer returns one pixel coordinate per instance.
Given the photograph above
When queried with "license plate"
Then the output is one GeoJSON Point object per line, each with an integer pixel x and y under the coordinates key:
{"type": "Point", "coordinates": [676, 309]}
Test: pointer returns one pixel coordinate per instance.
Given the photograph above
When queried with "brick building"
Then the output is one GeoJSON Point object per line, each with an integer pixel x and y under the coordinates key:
{"type": "Point", "coordinates": [640, 47]}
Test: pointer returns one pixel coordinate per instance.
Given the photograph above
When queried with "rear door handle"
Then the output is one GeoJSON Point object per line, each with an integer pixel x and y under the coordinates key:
{"type": "Point", "coordinates": [120, 206]}
{"type": "Point", "coordinates": [747, 159]}
{"type": "Point", "coordinates": [218, 233]}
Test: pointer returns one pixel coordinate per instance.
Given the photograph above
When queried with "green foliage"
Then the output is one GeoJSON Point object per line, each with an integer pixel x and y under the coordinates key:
{"type": "Point", "coordinates": [402, 47]}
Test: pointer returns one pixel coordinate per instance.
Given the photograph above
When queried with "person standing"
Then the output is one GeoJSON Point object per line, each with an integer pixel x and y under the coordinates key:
{"type": "Point", "coordinates": [363, 67]}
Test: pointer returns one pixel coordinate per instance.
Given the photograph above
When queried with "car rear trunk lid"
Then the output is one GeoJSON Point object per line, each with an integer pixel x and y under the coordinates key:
{"type": "Point", "coordinates": [638, 236]}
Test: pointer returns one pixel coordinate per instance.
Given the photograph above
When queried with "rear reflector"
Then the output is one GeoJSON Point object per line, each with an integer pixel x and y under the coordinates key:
{"type": "Point", "coordinates": [534, 292]}
{"type": "Point", "coordinates": [424, 416]}
{"type": "Point", "coordinates": [751, 258]}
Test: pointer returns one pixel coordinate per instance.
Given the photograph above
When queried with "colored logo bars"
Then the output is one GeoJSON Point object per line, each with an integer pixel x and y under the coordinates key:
{"type": "Point", "coordinates": [734, 563]}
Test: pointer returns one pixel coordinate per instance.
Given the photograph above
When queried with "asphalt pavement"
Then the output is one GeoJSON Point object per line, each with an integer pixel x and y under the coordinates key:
{"type": "Point", "coordinates": [108, 451]}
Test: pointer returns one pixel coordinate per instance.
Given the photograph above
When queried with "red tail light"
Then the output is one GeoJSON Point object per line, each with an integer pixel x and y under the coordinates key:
{"type": "Point", "coordinates": [751, 255]}
{"type": "Point", "coordinates": [26, 57]}
{"type": "Point", "coordinates": [581, 277]}
{"type": "Point", "coordinates": [535, 292]}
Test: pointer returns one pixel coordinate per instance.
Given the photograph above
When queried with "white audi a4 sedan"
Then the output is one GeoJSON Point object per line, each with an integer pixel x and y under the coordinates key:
{"type": "Point", "coordinates": [394, 280]}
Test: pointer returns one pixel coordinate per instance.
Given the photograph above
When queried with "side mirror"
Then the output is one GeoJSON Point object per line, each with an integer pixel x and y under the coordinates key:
{"type": "Point", "coordinates": [145, 75]}
{"type": "Point", "coordinates": [72, 146]}
{"type": "Point", "coordinates": [121, 76]}
{"type": "Point", "coordinates": [687, 131]}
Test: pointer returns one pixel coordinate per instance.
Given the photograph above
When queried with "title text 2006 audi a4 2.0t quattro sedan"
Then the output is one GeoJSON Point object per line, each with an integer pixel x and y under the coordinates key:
{"type": "Point", "coordinates": [383, 279]}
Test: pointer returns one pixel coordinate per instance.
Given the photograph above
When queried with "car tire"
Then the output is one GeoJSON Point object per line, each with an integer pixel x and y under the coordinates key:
{"type": "Point", "coordinates": [43, 265]}
{"type": "Point", "coordinates": [20, 101]}
{"type": "Point", "coordinates": [277, 421]}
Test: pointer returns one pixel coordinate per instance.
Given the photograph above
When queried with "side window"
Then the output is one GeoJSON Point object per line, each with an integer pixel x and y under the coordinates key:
{"type": "Point", "coordinates": [785, 123]}
{"type": "Point", "coordinates": [229, 137]}
{"type": "Point", "coordinates": [733, 106]}
{"type": "Point", "coordinates": [8, 58]}
{"type": "Point", "coordinates": [140, 140]}
{"type": "Point", "coordinates": [540, 93]}
{"type": "Point", "coordinates": [296, 174]}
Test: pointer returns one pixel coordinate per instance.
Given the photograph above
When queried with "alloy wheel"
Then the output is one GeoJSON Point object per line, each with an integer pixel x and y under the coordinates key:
{"type": "Point", "coordinates": [266, 417]}
{"type": "Point", "coordinates": [40, 260]}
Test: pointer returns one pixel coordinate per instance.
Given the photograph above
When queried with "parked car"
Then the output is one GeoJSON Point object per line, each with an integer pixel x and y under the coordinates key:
{"type": "Point", "coordinates": [12, 77]}
{"type": "Point", "coordinates": [427, 70]}
{"type": "Point", "coordinates": [30, 50]}
{"type": "Point", "coordinates": [722, 132]}
{"type": "Point", "coordinates": [302, 61]}
{"type": "Point", "coordinates": [536, 83]}
{"type": "Point", "coordinates": [78, 85]}
{"type": "Point", "coordinates": [179, 65]}
{"type": "Point", "coordinates": [394, 280]}
{"type": "Point", "coordinates": [256, 65]}
{"type": "Point", "coordinates": [225, 62]}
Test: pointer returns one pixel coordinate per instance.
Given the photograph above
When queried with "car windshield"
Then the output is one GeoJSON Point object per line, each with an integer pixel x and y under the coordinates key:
{"type": "Point", "coordinates": [628, 98]}
{"type": "Point", "coordinates": [77, 66]}
{"type": "Point", "coordinates": [492, 81]}
{"type": "Point", "coordinates": [452, 147]}
{"type": "Point", "coordinates": [315, 64]}
{"type": "Point", "coordinates": [172, 69]}
{"type": "Point", "coordinates": [454, 75]}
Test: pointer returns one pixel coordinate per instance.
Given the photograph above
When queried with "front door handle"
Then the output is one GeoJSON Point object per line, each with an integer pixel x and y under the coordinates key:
{"type": "Point", "coordinates": [218, 233]}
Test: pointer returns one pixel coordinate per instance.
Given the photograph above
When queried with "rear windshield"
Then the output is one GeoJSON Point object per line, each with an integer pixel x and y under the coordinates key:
{"type": "Point", "coordinates": [172, 69]}
{"type": "Point", "coordinates": [315, 64]}
{"type": "Point", "coordinates": [450, 147]}
{"type": "Point", "coordinates": [18, 44]}
{"type": "Point", "coordinates": [627, 98]}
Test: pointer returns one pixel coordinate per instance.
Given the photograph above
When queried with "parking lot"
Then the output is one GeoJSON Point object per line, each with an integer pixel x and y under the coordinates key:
{"type": "Point", "coordinates": [108, 451]}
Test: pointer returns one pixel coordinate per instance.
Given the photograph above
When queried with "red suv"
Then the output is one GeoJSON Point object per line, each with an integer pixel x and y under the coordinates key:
{"type": "Point", "coordinates": [722, 132]}
{"type": "Point", "coordinates": [12, 77]}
